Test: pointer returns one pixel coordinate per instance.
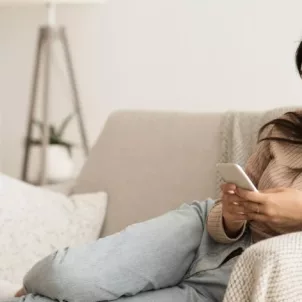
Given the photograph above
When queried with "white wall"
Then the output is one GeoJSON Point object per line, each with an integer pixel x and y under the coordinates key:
{"type": "Point", "coordinates": [205, 55]}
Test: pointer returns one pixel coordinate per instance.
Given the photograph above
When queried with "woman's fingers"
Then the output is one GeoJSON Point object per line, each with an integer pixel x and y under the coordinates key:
{"type": "Point", "coordinates": [230, 198]}
{"type": "Point", "coordinates": [228, 188]}
{"type": "Point", "coordinates": [263, 196]}
{"type": "Point", "coordinates": [257, 217]}
{"type": "Point", "coordinates": [253, 207]}
{"type": "Point", "coordinates": [236, 208]}
{"type": "Point", "coordinates": [235, 214]}
{"type": "Point", "coordinates": [239, 216]}
{"type": "Point", "coordinates": [257, 197]}
{"type": "Point", "coordinates": [233, 204]}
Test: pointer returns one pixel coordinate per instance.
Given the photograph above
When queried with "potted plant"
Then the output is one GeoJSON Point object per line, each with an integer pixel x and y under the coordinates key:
{"type": "Point", "coordinates": [59, 162]}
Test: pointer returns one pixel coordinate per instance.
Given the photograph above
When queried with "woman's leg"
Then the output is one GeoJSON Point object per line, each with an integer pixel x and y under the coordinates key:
{"type": "Point", "coordinates": [182, 293]}
{"type": "Point", "coordinates": [145, 256]}
{"type": "Point", "coordinates": [212, 284]}
{"type": "Point", "coordinates": [205, 286]}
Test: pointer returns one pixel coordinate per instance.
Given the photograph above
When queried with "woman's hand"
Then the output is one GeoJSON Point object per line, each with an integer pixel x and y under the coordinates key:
{"type": "Point", "coordinates": [232, 210]}
{"type": "Point", "coordinates": [281, 207]}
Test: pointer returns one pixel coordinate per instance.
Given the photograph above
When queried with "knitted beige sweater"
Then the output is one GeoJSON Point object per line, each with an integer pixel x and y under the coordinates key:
{"type": "Point", "coordinates": [272, 165]}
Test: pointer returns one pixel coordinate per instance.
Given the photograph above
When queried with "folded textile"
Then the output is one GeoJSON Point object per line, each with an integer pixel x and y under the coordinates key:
{"type": "Point", "coordinates": [269, 271]}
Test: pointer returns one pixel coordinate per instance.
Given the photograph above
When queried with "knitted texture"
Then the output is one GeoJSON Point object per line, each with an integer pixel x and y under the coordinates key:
{"type": "Point", "coordinates": [239, 134]}
{"type": "Point", "coordinates": [271, 270]}
{"type": "Point", "coordinates": [268, 271]}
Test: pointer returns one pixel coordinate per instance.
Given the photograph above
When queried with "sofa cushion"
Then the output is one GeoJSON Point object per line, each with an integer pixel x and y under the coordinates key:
{"type": "Point", "coordinates": [35, 222]}
{"type": "Point", "coordinates": [8, 290]}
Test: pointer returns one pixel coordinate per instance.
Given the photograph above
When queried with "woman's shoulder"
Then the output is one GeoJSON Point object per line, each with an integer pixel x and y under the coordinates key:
{"type": "Point", "coordinates": [294, 117]}
{"type": "Point", "coordinates": [286, 154]}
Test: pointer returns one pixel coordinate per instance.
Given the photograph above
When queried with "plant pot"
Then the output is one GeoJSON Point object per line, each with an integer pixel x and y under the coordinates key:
{"type": "Point", "coordinates": [59, 164]}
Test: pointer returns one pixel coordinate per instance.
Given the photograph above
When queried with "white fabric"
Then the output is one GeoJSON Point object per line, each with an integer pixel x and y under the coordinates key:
{"type": "Point", "coordinates": [239, 134]}
{"type": "Point", "coordinates": [44, 2]}
{"type": "Point", "coordinates": [64, 188]}
{"type": "Point", "coordinates": [8, 290]}
{"type": "Point", "coordinates": [269, 271]}
{"type": "Point", "coordinates": [35, 222]}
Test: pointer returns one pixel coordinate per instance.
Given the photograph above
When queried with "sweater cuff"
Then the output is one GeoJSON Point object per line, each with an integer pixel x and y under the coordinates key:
{"type": "Point", "coordinates": [233, 239]}
{"type": "Point", "coordinates": [216, 227]}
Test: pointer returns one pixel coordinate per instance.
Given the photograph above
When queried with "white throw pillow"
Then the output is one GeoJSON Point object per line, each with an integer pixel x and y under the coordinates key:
{"type": "Point", "coordinates": [35, 222]}
{"type": "Point", "coordinates": [8, 290]}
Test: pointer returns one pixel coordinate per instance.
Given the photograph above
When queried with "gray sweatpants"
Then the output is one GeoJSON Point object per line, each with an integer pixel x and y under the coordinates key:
{"type": "Point", "coordinates": [168, 258]}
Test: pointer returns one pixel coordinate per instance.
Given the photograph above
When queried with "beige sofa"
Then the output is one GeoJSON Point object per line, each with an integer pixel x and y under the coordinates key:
{"type": "Point", "coordinates": [151, 162]}
{"type": "Point", "coordinates": [148, 163]}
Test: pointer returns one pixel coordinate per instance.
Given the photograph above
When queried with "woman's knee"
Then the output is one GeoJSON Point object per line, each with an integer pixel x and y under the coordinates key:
{"type": "Point", "coordinates": [48, 277]}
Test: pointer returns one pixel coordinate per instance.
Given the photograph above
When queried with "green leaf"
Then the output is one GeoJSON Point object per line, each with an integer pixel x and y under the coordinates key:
{"type": "Point", "coordinates": [55, 136]}
{"type": "Point", "coordinates": [64, 124]}
{"type": "Point", "coordinates": [53, 141]}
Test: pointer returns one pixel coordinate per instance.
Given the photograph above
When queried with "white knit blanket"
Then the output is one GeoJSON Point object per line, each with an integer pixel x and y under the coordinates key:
{"type": "Point", "coordinates": [268, 271]}
{"type": "Point", "coordinates": [239, 133]}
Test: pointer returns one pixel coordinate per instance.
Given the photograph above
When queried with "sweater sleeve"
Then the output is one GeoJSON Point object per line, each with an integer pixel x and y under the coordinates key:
{"type": "Point", "coordinates": [255, 167]}
{"type": "Point", "coordinates": [258, 162]}
{"type": "Point", "coordinates": [215, 225]}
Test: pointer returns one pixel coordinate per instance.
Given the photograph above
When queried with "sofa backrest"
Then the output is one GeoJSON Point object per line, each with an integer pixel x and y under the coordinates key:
{"type": "Point", "coordinates": [151, 162]}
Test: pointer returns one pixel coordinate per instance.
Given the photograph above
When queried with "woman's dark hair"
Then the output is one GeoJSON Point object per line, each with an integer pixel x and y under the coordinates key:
{"type": "Point", "coordinates": [299, 58]}
{"type": "Point", "coordinates": [290, 128]}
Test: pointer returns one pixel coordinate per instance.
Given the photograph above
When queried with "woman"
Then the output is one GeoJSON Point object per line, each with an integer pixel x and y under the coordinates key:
{"type": "Point", "coordinates": [176, 257]}
{"type": "Point", "coordinates": [275, 163]}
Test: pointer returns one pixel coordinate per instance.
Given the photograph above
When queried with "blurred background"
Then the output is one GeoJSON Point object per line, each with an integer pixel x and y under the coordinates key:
{"type": "Point", "coordinates": [192, 55]}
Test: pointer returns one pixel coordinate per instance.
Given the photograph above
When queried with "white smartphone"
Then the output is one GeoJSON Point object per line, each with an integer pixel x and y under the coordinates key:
{"type": "Point", "coordinates": [234, 174]}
